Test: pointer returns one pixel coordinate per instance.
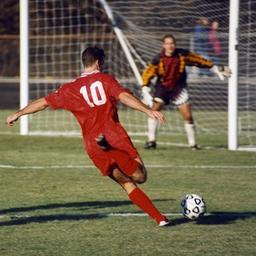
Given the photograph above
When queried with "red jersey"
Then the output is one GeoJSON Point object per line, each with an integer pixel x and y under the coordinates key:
{"type": "Point", "coordinates": [92, 99]}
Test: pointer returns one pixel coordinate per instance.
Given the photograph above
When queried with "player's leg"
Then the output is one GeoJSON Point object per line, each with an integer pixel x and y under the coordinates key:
{"type": "Point", "coordinates": [181, 100]}
{"type": "Point", "coordinates": [140, 174]}
{"type": "Point", "coordinates": [132, 167]}
{"type": "Point", "coordinates": [153, 126]}
{"type": "Point", "coordinates": [138, 197]}
{"type": "Point", "coordinates": [186, 112]}
{"type": "Point", "coordinates": [161, 97]}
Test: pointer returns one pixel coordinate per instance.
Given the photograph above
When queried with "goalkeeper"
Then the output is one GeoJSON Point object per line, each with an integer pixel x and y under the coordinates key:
{"type": "Point", "coordinates": [171, 86]}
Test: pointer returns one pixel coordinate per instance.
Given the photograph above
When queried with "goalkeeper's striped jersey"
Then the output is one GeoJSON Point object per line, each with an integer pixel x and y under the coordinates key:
{"type": "Point", "coordinates": [170, 70]}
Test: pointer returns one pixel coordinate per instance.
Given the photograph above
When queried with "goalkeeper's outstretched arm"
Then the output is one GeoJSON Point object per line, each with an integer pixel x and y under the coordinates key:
{"type": "Point", "coordinates": [221, 71]}
{"type": "Point", "coordinates": [33, 107]}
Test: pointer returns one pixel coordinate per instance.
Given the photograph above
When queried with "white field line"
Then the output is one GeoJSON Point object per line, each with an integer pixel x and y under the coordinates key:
{"type": "Point", "coordinates": [75, 135]}
{"type": "Point", "coordinates": [182, 145]}
{"type": "Point", "coordinates": [177, 214]}
{"type": "Point", "coordinates": [163, 143]}
{"type": "Point", "coordinates": [3, 166]}
{"type": "Point", "coordinates": [130, 214]}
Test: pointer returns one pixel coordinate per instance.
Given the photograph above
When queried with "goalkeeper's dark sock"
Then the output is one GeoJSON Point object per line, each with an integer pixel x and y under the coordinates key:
{"type": "Point", "coordinates": [139, 198]}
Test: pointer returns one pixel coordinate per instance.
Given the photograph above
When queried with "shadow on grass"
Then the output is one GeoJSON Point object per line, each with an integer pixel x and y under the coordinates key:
{"type": "Point", "coordinates": [77, 205]}
{"type": "Point", "coordinates": [221, 218]}
{"type": "Point", "coordinates": [46, 218]}
{"type": "Point", "coordinates": [216, 218]}
{"type": "Point", "coordinates": [20, 219]}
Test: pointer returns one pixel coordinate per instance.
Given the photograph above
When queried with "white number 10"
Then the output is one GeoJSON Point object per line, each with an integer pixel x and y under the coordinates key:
{"type": "Point", "coordinates": [94, 88]}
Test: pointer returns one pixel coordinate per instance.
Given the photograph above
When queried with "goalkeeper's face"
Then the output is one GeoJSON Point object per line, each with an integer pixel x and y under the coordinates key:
{"type": "Point", "coordinates": [169, 45]}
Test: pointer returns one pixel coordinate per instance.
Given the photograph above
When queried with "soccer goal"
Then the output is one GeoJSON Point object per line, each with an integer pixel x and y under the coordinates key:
{"type": "Point", "coordinates": [54, 33]}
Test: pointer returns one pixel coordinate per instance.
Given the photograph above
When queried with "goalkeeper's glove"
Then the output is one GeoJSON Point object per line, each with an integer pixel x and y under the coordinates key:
{"type": "Point", "coordinates": [146, 96]}
{"type": "Point", "coordinates": [221, 71]}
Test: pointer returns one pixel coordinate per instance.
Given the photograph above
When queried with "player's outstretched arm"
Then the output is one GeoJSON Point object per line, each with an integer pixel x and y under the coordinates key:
{"type": "Point", "coordinates": [33, 107]}
{"type": "Point", "coordinates": [133, 102]}
{"type": "Point", "coordinates": [221, 71]}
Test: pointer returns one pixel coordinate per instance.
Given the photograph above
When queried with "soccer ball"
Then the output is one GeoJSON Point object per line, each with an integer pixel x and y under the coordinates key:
{"type": "Point", "coordinates": [193, 206]}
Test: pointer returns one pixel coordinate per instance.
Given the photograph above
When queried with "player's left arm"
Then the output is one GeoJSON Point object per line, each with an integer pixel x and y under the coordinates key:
{"type": "Point", "coordinates": [193, 59]}
{"type": "Point", "coordinates": [33, 107]}
{"type": "Point", "coordinates": [133, 102]}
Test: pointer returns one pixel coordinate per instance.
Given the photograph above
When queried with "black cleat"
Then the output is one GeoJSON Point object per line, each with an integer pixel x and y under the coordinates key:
{"type": "Point", "coordinates": [102, 142]}
{"type": "Point", "coordinates": [196, 147]}
{"type": "Point", "coordinates": [150, 145]}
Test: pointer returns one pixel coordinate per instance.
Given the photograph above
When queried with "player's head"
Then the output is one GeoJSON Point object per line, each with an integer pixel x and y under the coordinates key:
{"type": "Point", "coordinates": [169, 44]}
{"type": "Point", "coordinates": [203, 21]}
{"type": "Point", "coordinates": [93, 55]}
{"type": "Point", "coordinates": [215, 25]}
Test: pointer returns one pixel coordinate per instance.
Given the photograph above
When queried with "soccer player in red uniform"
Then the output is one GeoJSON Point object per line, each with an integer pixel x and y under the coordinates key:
{"type": "Point", "coordinates": [171, 85]}
{"type": "Point", "coordinates": [92, 99]}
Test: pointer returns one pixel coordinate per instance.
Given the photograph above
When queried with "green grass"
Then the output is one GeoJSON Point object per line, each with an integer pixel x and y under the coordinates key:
{"type": "Point", "coordinates": [64, 211]}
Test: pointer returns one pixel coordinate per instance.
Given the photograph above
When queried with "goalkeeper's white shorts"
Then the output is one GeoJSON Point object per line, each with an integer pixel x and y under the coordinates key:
{"type": "Point", "coordinates": [166, 96]}
{"type": "Point", "coordinates": [181, 98]}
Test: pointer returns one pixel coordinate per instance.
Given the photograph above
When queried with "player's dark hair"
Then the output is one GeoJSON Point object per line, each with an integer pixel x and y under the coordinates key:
{"type": "Point", "coordinates": [169, 36]}
{"type": "Point", "coordinates": [91, 54]}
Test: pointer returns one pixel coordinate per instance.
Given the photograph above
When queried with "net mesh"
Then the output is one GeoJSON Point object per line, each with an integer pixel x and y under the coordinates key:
{"type": "Point", "coordinates": [247, 74]}
{"type": "Point", "coordinates": [60, 30]}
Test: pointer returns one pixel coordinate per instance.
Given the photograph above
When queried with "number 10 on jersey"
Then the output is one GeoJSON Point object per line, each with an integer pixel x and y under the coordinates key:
{"type": "Point", "coordinates": [97, 93]}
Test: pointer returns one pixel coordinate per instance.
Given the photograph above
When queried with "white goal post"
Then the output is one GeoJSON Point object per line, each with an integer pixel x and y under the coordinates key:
{"type": "Point", "coordinates": [24, 63]}
{"type": "Point", "coordinates": [233, 80]}
{"type": "Point", "coordinates": [54, 33]}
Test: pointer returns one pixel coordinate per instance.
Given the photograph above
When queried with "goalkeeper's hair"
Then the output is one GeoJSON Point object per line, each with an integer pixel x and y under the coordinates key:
{"type": "Point", "coordinates": [169, 36]}
{"type": "Point", "coordinates": [91, 54]}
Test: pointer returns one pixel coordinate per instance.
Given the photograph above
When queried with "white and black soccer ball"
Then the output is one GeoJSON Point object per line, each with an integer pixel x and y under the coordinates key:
{"type": "Point", "coordinates": [193, 206]}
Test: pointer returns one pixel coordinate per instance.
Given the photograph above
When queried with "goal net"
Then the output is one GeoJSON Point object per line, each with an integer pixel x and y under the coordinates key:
{"type": "Point", "coordinates": [247, 76]}
{"type": "Point", "coordinates": [60, 30]}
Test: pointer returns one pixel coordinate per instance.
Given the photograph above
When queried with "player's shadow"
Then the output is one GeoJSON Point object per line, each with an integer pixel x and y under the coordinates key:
{"type": "Point", "coordinates": [75, 205]}
{"type": "Point", "coordinates": [217, 218]}
{"type": "Point", "coordinates": [18, 215]}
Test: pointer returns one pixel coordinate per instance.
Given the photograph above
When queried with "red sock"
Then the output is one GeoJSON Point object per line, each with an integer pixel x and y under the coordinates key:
{"type": "Point", "coordinates": [139, 198]}
{"type": "Point", "coordinates": [127, 164]}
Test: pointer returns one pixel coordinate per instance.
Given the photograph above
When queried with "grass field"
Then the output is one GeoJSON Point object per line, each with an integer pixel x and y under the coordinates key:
{"type": "Point", "coordinates": [54, 202]}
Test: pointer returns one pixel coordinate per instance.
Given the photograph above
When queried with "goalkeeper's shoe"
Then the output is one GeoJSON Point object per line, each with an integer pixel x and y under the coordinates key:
{"type": "Point", "coordinates": [102, 142]}
{"type": "Point", "coordinates": [150, 145]}
{"type": "Point", "coordinates": [196, 147]}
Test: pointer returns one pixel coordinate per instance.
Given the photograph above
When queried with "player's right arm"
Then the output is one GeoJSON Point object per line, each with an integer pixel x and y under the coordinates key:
{"type": "Point", "coordinates": [133, 102]}
{"type": "Point", "coordinates": [149, 72]}
{"type": "Point", "coordinates": [33, 107]}
{"type": "Point", "coordinates": [119, 93]}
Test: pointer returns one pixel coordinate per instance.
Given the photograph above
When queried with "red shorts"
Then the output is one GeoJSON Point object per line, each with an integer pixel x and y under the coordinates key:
{"type": "Point", "coordinates": [105, 163]}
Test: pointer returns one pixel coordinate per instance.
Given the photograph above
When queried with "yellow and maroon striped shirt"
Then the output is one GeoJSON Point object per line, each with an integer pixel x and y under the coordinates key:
{"type": "Point", "coordinates": [170, 70]}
